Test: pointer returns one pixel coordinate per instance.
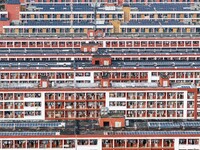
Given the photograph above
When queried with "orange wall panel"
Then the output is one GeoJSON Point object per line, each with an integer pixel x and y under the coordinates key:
{"type": "Point", "coordinates": [3, 23]}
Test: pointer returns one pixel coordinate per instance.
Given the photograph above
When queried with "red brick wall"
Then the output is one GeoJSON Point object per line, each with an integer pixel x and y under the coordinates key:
{"type": "Point", "coordinates": [112, 121]}
{"type": "Point", "coordinates": [13, 11]}
{"type": "Point", "coordinates": [101, 60]}
{"type": "Point", "coordinates": [89, 47]}
{"type": "Point", "coordinates": [162, 80]}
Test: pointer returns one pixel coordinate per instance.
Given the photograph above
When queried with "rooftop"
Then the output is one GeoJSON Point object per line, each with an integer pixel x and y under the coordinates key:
{"type": "Point", "coordinates": [148, 128]}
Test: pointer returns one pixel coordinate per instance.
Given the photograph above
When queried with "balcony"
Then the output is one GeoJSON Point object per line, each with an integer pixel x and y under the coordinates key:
{"type": "Point", "coordinates": [7, 144]}
{"type": "Point", "coordinates": [90, 96]}
{"type": "Point", "coordinates": [115, 75]}
{"type": "Point", "coordinates": [69, 114]}
{"type": "Point", "coordinates": [69, 96]}
{"type": "Point", "coordinates": [91, 105]}
{"type": "Point", "coordinates": [44, 144]}
{"type": "Point", "coordinates": [82, 142]}
{"type": "Point", "coordinates": [19, 114]}
{"type": "Point", "coordinates": [1, 105]}
{"type": "Point", "coordinates": [119, 143]}
{"type": "Point", "coordinates": [8, 114]}
{"type": "Point", "coordinates": [8, 105]}
{"type": "Point", "coordinates": [141, 104]}
{"type": "Point", "coordinates": [33, 75]}
{"type": "Point", "coordinates": [179, 75]}
{"type": "Point", "coordinates": [60, 75]}
{"type": "Point", "coordinates": [161, 104]}
{"type": "Point", "coordinates": [190, 104]}
{"type": "Point", "coordinates": [69, 143]}
{"type": "Point", "coordinates": [51, 75]}
{"type": "Point", "coordinates": [171, 95]}
{"type": "Point", "coordinates": [179, 113]}
{"type": "Point", "coordinates": [80, 96]}
{"type": "Point", "coordinates": [190, 95]}
{"type": "Point", "coordinates": [182, 141]}
{"type": "Point", "coordinates": [193, 141]}
{"type": "Point", "coordinates": [134, 75]}
{"type": "Point", "coordinates": [161, 95]}
{"type": "Point", "coordinates": [180, 104]}
{"type": "Point", "coordinates": [161, 113]}
{"type": "Point", "coordinates": [107, 143]}
{"type": "Point", "coordinates": [81, 114]}
{"type": "Point", "coordinates": [19, 105]}
{"type": "Point", "coordinates": [8, 96]}
{"type": "Point", "coordinates": [156, 143]}
{"type": "Point", "coordinates": [49, 114]}
{"type": "Point", "coordinates": [50, 105]}
{"type": "Point", "coordinates": [189, 75]}
{"type": "Point", "coordinates": [131, 96]}
{"type": "Point", "coordinates": [14, 76]}
{"type": "Point", "coordinates": [131, 113]}
{"type": "Point", "coordinates": [59, 105]}
{"type": "Point", "coordinates": [69, 75]}
{"type": "Point", "coordinates": [171, 113]}
{"type": "Point", "coordinates": [91, 114]}
{"type": "Point", "coordinates": [69, 105]}
{"type": "Point", "coordinates": [20, 144]}
{"type": "Point", "coordinates": [143, 75]}
{"type": "Point", "coordinates": [57, 143]}
{"type": "Point", "coordinates": [29, 104]}
{"type": "Point", "coordinates": [100, 96]}
{"type": "Point", "coordinates": [4, 76]}
{"type": "Point", "coordinates": [32, 144]}
{"type": "Point", "coordinates": [97, 75]}
{"type": "Point", "coordinates": [59, 96]}
{"type": "Point", "coordinates": [59, 114]}
{"type": "Point", "coordinates": [171, 104]}
{"type": "Point", "coordinates": [180, 95]}
{"type": "Point", "coordinates": [151, 113]}
{"type": "Point", "coordinates": [50, 96]}
{"type": "Point", "coordinates": [99, 105]}
{"type": "Point", "coordinates": [151, 96]}
{"type": "Point", "coordinates": [168, 143]}
{"type": "Point", "coordinates": [81, 106]}
{"type": "Point", "coordinates": [144, 143]}
{"type": "Point", "coordinates": [141, 95]}
{"type": "Point", "coordinates": [190, 113]}
{"type": "Point", "coordinates": [151, 104]}
{"type": "Point", "coordinates": [131, 105]}
{"type": "Point", "coordinates": [132, 143]}
{"type": "Point", "coordinates": [141, 113]}
{"type": "Point", "coordinates": [18, 96]}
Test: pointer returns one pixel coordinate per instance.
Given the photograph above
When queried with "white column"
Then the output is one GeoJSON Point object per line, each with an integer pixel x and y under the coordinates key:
{"type": "Point", "coordinates": [176, 144]}
{"type": "Point", "coordinates": [149, 76]}
{"type": "Point", "coordinates": [92, 77]}
{"type": "Point", "coordinates": [43, 105]}
{"type": "Point", "coordinates": [185, 105]}
{"type": "Point", "coordinates": [107, 99]}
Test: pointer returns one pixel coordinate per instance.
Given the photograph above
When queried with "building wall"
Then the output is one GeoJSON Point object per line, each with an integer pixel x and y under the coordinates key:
{"type": "Point", "coordinates": [13, 11]}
